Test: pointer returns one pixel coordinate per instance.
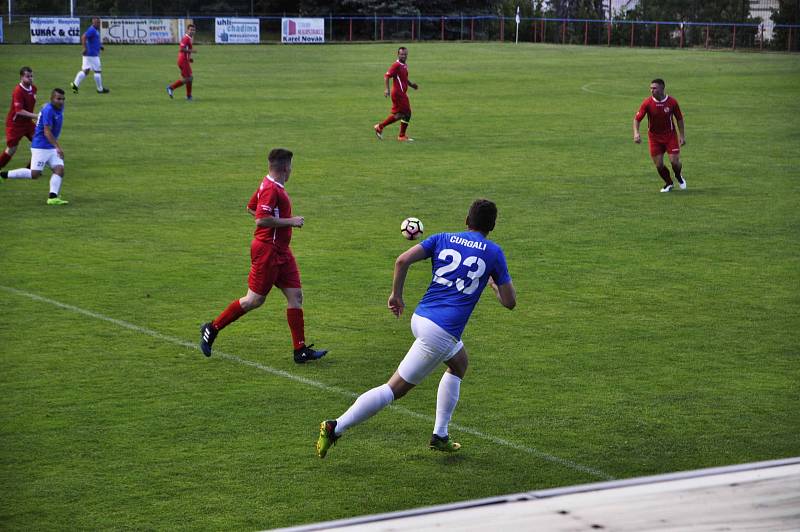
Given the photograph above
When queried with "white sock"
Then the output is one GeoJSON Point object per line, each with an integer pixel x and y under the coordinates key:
{"type": "Point", "coordinates": [55, 184]}
{"type": "Point", "coordinates": [20, 173]}
{"type": "Point", "coordinates": [80, 76]}
{"type": "Point", "coordinates": [98, 80]}
{"type": "Point", "coordinates": [446, 401]}
{"type": "Point", "coordinates": [367, 405]}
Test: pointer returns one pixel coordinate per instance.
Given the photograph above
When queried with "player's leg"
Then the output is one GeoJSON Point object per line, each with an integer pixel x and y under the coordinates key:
{"type": "Point", "coordinates": [81, 75]}
{"type": "Point", "coordinates": [188, 82]}
{"type": "Point", "coordinates": [447, 399]}
{"type": "Point", "coordinates": [657, 154]}
{"type": "Point", "coordinates": [57, 164]}
{"type": "Point", "coordinates": [12, 142]}
{"type": "Point", "coordinates": [38, 161]}
{"type": "Point", "coordinates": [404, 121]}
{"type": "Point", "coordinates": [98, 76]}
{"type": "Point", "coordinates": [259, 282]}
{"type": "Point", "coordinates": [393, 117]}
{"type": "Point", "coordinates": [288, 280]}
{"type": "Point", "coordinates": [677, 166]}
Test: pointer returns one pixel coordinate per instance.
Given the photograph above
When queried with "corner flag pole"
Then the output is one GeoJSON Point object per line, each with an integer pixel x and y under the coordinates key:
{"type": "Point", "coordinates": [516, 40]}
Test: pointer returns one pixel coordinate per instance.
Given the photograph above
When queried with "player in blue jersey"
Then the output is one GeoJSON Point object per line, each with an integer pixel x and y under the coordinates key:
{"type": "Point", "coordinates": [45, 149]}
{"type": "Point", "coordinates": [91, 58]}
{"type": "Point", "coordinates": [463, 264]}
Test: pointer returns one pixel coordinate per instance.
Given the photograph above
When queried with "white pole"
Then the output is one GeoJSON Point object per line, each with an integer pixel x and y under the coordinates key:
{"type": "Point", "coordinates": [516, 18]}
{"type": "Point", "coordinates": [71, 8]}
{"type": "Point", "coordinates": [9, 12]}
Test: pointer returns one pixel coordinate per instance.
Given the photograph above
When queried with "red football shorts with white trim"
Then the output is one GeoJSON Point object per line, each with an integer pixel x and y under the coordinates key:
{"type": "Point", "coordinates": [15, 134]}
{"type": "Point", "coordinates": [663, 144]}
{"type": "Point", "coordinates": [400, 104]}
{"type": "Point", "coordinates": [186, 69]}
{"type": "Point", "coordinates": [271, 267]}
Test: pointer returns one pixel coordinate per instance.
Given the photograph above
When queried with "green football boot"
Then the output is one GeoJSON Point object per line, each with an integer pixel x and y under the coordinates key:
{"type": "Point", "coordinates": [56, 201]}
{"type": "Point", "coordinates": [327, 437]}
{"type": "Point", "coordinates": [443, 444]}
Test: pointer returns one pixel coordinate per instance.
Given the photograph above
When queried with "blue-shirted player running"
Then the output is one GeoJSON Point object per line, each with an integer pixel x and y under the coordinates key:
{"type": "Point", "coordinates": [45, 149]}
{"type": "Point", "coordinates": [91, 58]}
{"type": "Point", "coordinates": [463, 264]}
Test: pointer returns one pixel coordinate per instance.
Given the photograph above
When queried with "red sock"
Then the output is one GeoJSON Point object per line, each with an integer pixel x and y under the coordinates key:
{"type": "Point", "coordinates": [189, 89]}
{"type": "Point", "coordinates": [664, 173]}
{"type": "Point", "coordinates": [4, 158]}
{"type": "Point", "coordinates": [177, 84]}
{"type": "Point", "coordinates": [389, 120]}
{"type": "Point", "coordinates": [229, 315]}
{"type": "Point", "coordinates": [297, 325]}
{"type": "Point", "coordinates": [403, 126]}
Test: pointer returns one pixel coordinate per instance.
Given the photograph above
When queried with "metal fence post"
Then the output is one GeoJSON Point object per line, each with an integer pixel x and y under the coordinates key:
{"type": "Point", "coordinates": [412, 29]}
{"type": "Point", "coordinates": [381, 28]}
{"type": "Point", "coordinates": [633, 30]}
{"type": "Point", "coordinates": [656, 34]}
{"type": "Point", "coordinates": [351, 29]}
{"type": "Point", "coordinates": [585, 32]}
{"type": "Point", "coordinates": [563, 32]}
{"type": "Point", "coordinates": [472, 29]}
{"type": "Point", "coordinates": [707, 37]}
{"type": "Point", "coordinates": [442, 28]}
{"type": "Point", "coordinates": [681, 34]}
{"type": "Point", "coordinates": [609, 33]}
{"type": "Point", "coordinates": [733, 47]}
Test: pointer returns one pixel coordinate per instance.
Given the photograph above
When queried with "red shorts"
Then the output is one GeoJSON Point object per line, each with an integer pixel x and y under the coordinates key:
{"type": "Point", "coordinates": [186, 69]}
{"type": "Point", "coordinates": [400, 104]}
{"type": "Point", "coordinates": [16, 133]}
{"type": "Point", "coordinates": [663, 144]}
{"type": "Point", "coordinates": [271, 267]}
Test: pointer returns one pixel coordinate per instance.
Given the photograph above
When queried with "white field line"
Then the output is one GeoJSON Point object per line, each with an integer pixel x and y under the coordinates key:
{"type": "Point", "coordinates": [308, 382]}
{"type": "Point", "coordinates": [587, 88]}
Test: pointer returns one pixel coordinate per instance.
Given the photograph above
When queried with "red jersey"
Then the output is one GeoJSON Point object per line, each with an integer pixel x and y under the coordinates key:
{"type": "Point", "coordinates": [186, 42]}
{"type": "Point", "coordinates": [659, 115]}
{"type": "Point", "coordinates": [271, 200]}
{"type": "Point", "coordinates": [399, 74]}
{"type": "Point", "coordinates": [22, 99]}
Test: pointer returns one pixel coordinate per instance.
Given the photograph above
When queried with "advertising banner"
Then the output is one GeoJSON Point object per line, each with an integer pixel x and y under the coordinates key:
{"type": "Point", "coordinates": [302, 30]}
{"type": "Point", "coordinates": [55, 30]}
{"type": "Point", "coordinates": [143, 30]}
{"type": "Point", "coordinates": [236, 31]}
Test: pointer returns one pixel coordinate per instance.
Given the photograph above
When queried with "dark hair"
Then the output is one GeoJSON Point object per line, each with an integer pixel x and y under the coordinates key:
{"type": "Point", "coordinates": [57, 90]}
{"type": "Point", "coordinates": [659, 81]}
{"type": "Point", "coordinates": [25, 69]}
{"type": "Point", "coordinates": [482, 215]}
{"type": "Point", "coordinates": [402, 48]}
{"type": "Point", "coordinates": [279, 158]}
{"type": "Point", "coordinates": [191, 26]}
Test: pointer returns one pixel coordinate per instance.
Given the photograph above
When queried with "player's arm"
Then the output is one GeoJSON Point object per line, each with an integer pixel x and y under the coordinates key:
{"type": "Point", "coordinates": [271, 221]}
{"type": "Point", "coordinates": [505, 293]}
{"type": "Point", "coordinates": [83, 43]}
{"type": "Point", "coordinates": [637, 119]}
{"type": "Point", "coordinates": [401, 266]}
{"type": "Point", "coordinates": [413, 85]}
{"type": "Point", "coordinates": [19, 110]}
{"type": "Point", "coordinates": [386, 78]}
{"type": "Point", "coordinates": [48, 133]}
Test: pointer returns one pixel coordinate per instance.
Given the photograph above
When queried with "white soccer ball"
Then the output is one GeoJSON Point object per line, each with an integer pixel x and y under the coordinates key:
{"type": "Point", "coordinates": [411, 228]}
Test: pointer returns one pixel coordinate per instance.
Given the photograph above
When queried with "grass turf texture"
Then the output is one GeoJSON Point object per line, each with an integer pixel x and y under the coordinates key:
{"type": "Point", "coordinates": [654, 332]}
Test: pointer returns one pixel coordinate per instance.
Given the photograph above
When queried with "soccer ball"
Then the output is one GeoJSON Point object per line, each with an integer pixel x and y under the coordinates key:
{"type": "Point", "coordinates": [411, 228]}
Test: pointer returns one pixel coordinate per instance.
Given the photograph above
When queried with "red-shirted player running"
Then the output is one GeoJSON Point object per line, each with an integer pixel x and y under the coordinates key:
{"type": "Point", "coordinates": [272, 261]}
{"type": "Point", "coordinates": [20, 119]}
{"type": "Point", "coordinates": [660, 110]}
{"type": "Point", "coordinates": [184, 63]}
{"type": "Point", "coordinates": [401, 107]}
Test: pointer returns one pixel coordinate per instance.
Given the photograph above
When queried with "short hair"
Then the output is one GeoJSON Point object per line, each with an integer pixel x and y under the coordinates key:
{"type": "Point", "coordinates": [191, 26]}
{"type": "Point", "coordinates": [482, 215]}
{"type": "Point", "coordinates": [57, 90]}
{"type": "Point", "coordinates": [279, 158]}
{"type": "Point", "coordinates": [659, 81]}
{"type": "Point", "coordinates": [401, 48]}
{"type": "Point", "coordinates": [24, 70]}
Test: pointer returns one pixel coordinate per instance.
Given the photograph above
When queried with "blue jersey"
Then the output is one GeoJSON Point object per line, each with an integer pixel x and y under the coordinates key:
{"type": "Point", "coordinates": [462, 264]}
{"type": "Point", "coordinates": [48, 116]}
{"type": "Point", "coordinates": [92, 42]}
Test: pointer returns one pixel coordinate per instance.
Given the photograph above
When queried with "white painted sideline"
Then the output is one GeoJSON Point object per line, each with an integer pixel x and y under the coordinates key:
{"type": "Point", "coordinates": [755, 496]}
{"type": "Point", "coordinates": [596, 473]}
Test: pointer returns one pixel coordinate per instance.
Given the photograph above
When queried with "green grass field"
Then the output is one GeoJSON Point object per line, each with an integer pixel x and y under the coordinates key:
{"type": "Point", "coordinates": [653, 333]}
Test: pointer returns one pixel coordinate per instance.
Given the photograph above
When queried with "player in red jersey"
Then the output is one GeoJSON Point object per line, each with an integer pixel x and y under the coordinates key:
{"type": "Point", "coordinates": [185, 52]}
{"type": "Point", "coordinates": [272, 261]}
{"type": "Point", "coordinates": [660, 110]}
{"type": "Point", "coordinates": [401, 107]}
{"type": "Point", "coordinates": [20, 121]}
